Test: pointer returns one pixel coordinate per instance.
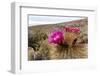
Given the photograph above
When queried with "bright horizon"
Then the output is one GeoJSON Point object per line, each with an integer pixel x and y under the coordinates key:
{"type": "Point", "coordinates": [37, 20]}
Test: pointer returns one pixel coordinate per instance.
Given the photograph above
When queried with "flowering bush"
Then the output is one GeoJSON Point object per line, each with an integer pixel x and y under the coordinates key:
{"type": "Point", "coordinates": [72, 29]}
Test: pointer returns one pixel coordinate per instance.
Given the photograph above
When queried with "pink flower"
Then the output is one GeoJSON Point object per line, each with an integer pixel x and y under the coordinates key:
{"type": "Point", "coordinates": [72, 29]}
{"type": "Point", "coordinates": [56, 37]}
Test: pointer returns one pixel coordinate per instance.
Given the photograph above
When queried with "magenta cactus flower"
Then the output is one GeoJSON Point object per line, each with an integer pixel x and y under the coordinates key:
{"type": "Point", "coordinates": [56, 37]}
{"type": "Point", "coordinates": [72, 29]}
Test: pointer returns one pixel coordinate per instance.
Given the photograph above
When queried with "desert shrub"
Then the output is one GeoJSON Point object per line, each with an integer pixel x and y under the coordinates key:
{"type": "Point", "coordinates": [36, 40]}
